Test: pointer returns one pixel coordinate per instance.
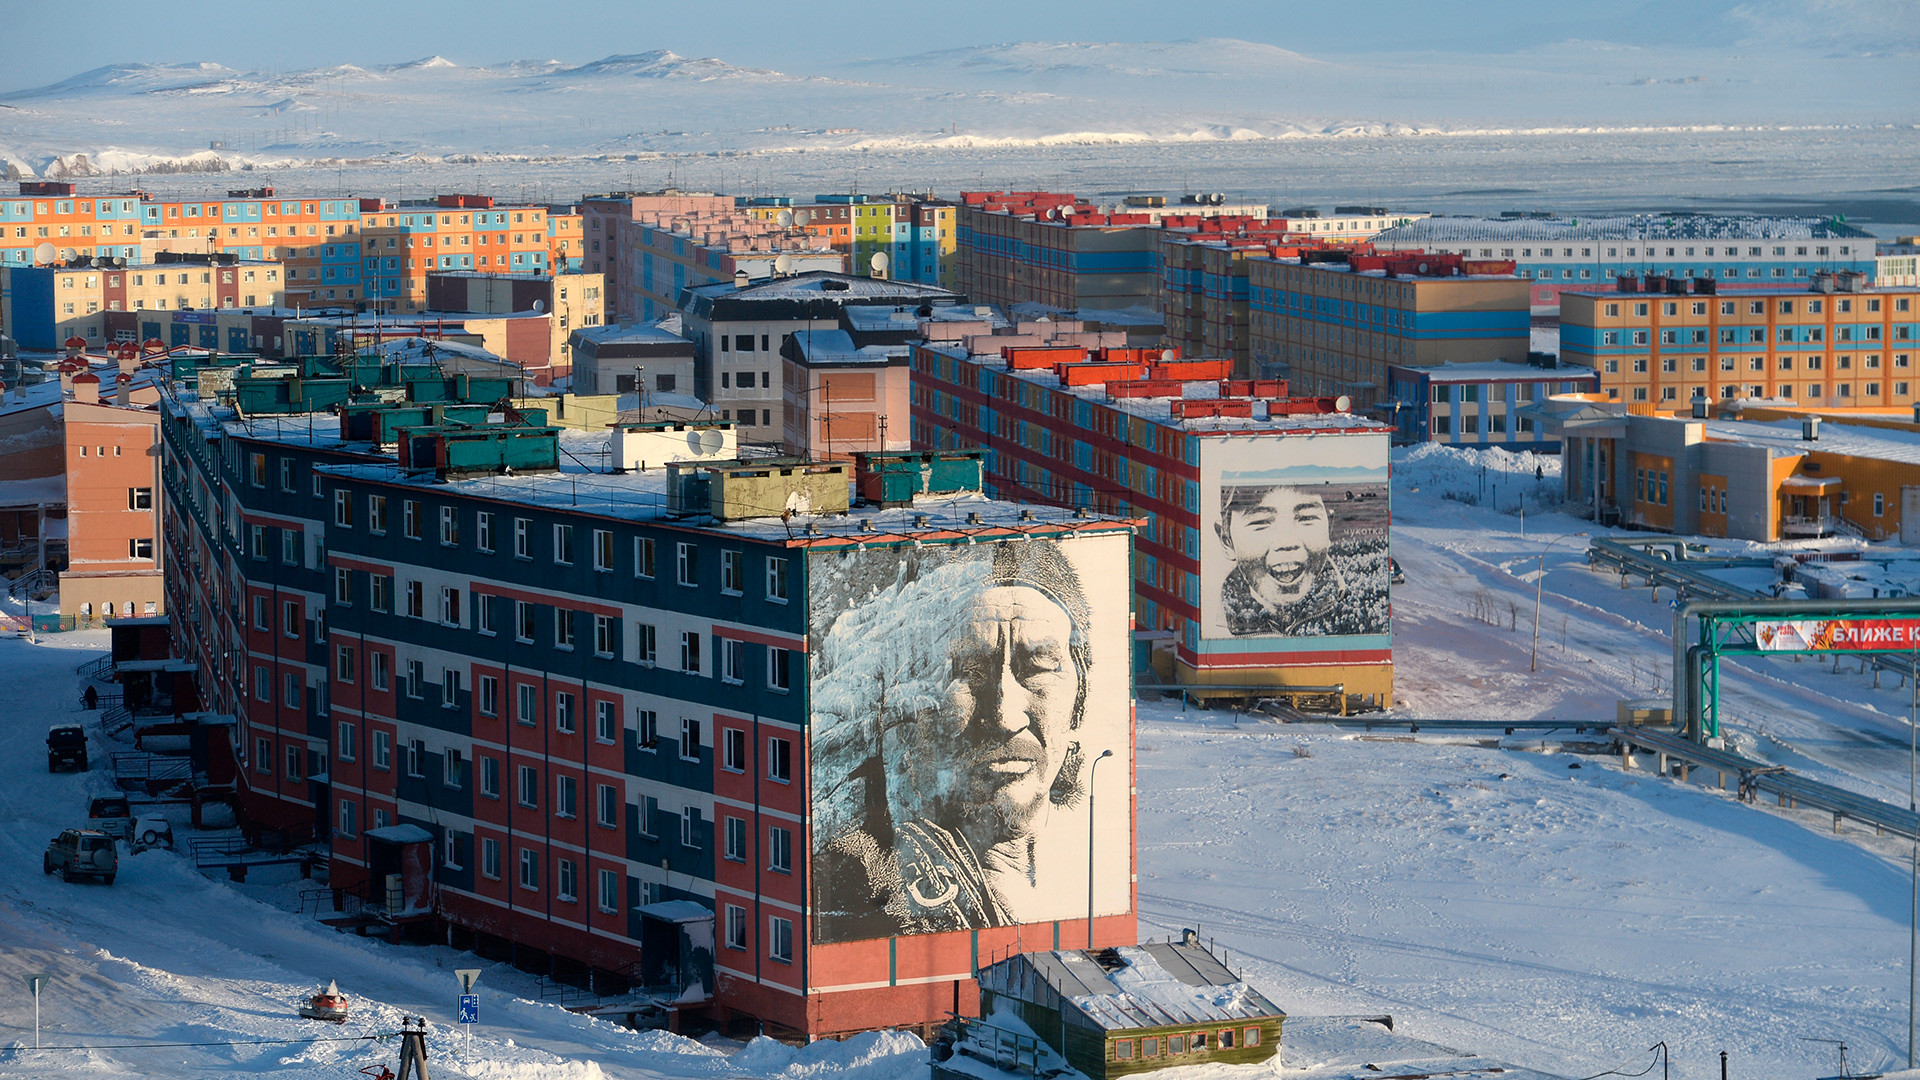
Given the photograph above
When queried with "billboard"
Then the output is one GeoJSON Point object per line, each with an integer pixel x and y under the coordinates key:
{"type": "Point", "coordinates": [961, 695]}
{"type": "Point", "coordinates": [1863, 634]}
{"type": "Point", "coordinates": [1293, 536]}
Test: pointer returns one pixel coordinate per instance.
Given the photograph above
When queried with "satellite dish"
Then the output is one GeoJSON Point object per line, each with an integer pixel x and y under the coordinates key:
{"type": "Point", "coordinates": [539, 305]}
{"type": "Point", "coordinates": [783, 264]}
{"type": "Point", "coordinates": [708, 442]}
{"type": "Point", "coordinates": [784, 218]}
{"type": "Point", "coordinates": [801, 217]}
{"type": "Point", "coordinates": [879, 261]}
{"type": "Point", "coordinates": [1167, 355]}
{"type": "Point", "coordinates": [1343, 403]}
{"type": "Point", "coordinates": [43, 253]}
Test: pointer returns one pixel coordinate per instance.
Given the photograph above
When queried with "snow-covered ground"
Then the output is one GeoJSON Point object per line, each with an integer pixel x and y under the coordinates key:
{"type": "Point", "coordinates": [1539, 908]}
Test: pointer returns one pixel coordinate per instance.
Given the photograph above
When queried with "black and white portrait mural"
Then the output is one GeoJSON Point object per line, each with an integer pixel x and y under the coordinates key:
{"type": "Point", "coordinates": [961, 695]}
{"type": "Point", "coordinates": [1294, 541]}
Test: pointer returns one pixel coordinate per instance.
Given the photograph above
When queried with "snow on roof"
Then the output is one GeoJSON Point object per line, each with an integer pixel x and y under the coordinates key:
{"type": "Point", "coordinates": [837, 347]}
{"type": "Point", "coordinates": [812, 286]}
{"type": "Point", "coordinates": [1452, 230]}
{"type": "Point", "coordinates": [629, 334]}
{"type": "Point", "coordinates": [1155, 985]}
{"type": "Point", "coordinates": [1159, 410]}
{"type": "Point", "coordinates": [675, 911]}
{"type": "Point", "coordinates": [400, 834]}
{"type": "Point", "coordinates": [1492, 370]}
{"type": "Point", "coordinates": [1784, 437]}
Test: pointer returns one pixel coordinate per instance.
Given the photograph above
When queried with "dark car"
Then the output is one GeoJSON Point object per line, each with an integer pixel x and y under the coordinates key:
{"type": "Point", "coordinates": [82, 853]}
{"type": "Point", "coordinates": [111, 814]}
{"type": "Point", "coordinates": [66, 748]}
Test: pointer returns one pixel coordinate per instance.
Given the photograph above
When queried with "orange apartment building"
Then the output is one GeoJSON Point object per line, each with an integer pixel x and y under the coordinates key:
{"type": "Point", "coordinates": [401, 243]}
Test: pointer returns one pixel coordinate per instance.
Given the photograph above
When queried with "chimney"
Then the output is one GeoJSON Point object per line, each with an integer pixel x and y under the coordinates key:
{"type": "Point", "coordinates": [123, 394]}
{"type": "Point", "coordinates": [1810, 428]}
{"type": "Point", "coordinates": [86, 388]}
{"type": "Point", "coordinates": [740, 279]}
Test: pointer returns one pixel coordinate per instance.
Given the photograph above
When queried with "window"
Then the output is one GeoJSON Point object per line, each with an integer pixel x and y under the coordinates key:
{"type": "Point", "coordinates": [736, 839]}
{"type": "Point", "coordinates": [260, 614]}
{"type": "Point", "coordinates": [688, 564]}
{"type": "Point", "coordinates": [1176, 1044]}
{"type": "Point", "coordinates": [416, 600]}
{"type": "Point", "coordinates": [529, 787]}
{"type": "Point", "coordinates": [779, 759]}
{"type": "Point", "coordinates": [689, 738]}
{"type": "Point", "coordinates": [648, 643]}
{"type": "Point", "coordinates": [522, 546]}
{"type": "Point", "coordinates": [490, 857]}
{"type": "Point", "coordinates": [526, 713]}
{"type": "Point", "coordinates": [690, 827]}
{"type": "Point", "coordinates": [609, 891]}
{"type": "Point", "coordinates": [733, 660]}
{"type": "Point", "coordinates": [780, 939]}
{"type": "Point", "coordinates": [1250, 1036]}
{"type": "Point", "coordinates": [449, 688]}
{"type": "Point", "coordinates": [529, 869]}
{"type": "Point", "coordinates": [296, 763]}
{"type": "Point", "coordinates": [379, 586]}
{"type": "Point", "coordinates": [563, 719]}
{"type": "Point", "coordinates": [731, 576]}
{"type": "Point", "coordinates": [450, 605]}
{"type": "Point", "coordinates": [562, 628]}
{"type": "Point", "coordinates": [563, 544]}
{"type": "Point", "coordinates": [377, 669]}
{"type": "Point", "coordinates": [342, 585]}
{"type": "Point", "coordinates": [777, 579]}
{"type": "Point", "coordinates": [646, 729]}
{"type": "Point", "coordinates": [483, 613]}
{"type": "Point", "coordinates": [780, 668]}
{"type": "Point", "coordinates": [452, 771]}
{"type": "Point", "coordinates": [483, 531]}
{"type": "Point", "coordinates": [603, 635]}
{"type": "Point", "coordinates": [416, 757]}
{"type": "Point", "coordinates": [140, 498]}
{"type": "Point", "coordinates": [490, 777]}
{"type": "Point", "coordinates": [780, 849]}
{"type": "Point", "coordinates": [382, 749]}
{"type": "Point", "coordinates": [607, 805]}
{"type": "Point", "coordinates": [602, 550]}
{"type": "Point", "coordinates": [348, 817]}
{"type": "Point", "coordinates": [1123, 1050]}
{"type": "Point", "coordinates": [564, 801]}
{"type": "Point", "coordinates": [1879, 504]}
{"type": "Point", "coordinates": [733, 756]}
{"type": "Point", "coordinates": [416, 679]}
{"type": "Point", "coordinates": [347, 739]}
{"type": "Point", "coordinates": [690, 652]}
{"type": "Point", "coordinates": [343, 663]}
{"type": "Point", "coordinates": [736, 924]}
{"type": "Point", "coordinates": [449, 527]}
{"type": "Point", "coordinates": [643, 556]}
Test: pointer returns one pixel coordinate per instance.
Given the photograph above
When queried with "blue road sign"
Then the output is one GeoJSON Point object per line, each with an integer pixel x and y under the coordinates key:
{"type": "Point", "coordinates": [469, 1008]}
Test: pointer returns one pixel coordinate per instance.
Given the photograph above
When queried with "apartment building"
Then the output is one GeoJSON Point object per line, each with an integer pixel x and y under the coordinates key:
{"type": "Point", "coordinates": [1663, 342]}
{"type": "Point", "coordinates": [1054, 249]}
{"type": "Point", "coordinates": [1334, 323]}
{"type": "Point", "coordinates": [1264, 544]}
{"type": "Point", "coordinates": [631, 731]}
{"type": "Point", "coordinates": [1559, 255]}
{"type": "Point", "coordinates": [1480, 404]}
{"type": "Point", "coordinates": [45, 306]}
{"type": "Point", "coordinates": [740, 335]}
{"type": "Point", "coordinates": [571, 301]}
{"type": "Point", "coordinates": [914, 231]}
{"type": "Point", "coordinates": [402, 242]}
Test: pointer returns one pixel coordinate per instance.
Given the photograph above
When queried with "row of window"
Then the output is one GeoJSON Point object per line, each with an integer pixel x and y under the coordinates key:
{"type": "Point", "coordinates": [1817, 306]}
{"type": "Point", "coordinates": [1812, 362]}
{"type": "Point", "coordinates": [1187, 1042]}
{"type": "Point", "coordinates": [779, 933]}
{"type": "Point", "coordinates": [1756, 390]}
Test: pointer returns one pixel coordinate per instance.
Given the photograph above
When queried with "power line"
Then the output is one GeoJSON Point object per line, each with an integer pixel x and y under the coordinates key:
{"type": "Point", "coordinates": [230, 1042]}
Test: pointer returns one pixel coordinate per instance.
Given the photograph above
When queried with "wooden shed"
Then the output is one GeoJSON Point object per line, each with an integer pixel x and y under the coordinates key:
{"type": "Point", "coordinates": [1115, 1012]}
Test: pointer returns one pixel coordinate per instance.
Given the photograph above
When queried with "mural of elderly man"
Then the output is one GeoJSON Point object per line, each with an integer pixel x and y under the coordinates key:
{"type": "Point", "coordinates": [951, 734]}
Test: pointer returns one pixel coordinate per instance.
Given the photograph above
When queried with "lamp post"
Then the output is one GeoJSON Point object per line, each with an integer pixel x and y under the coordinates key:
{"type": "Point", "coordinates": [1093, 771]}
{"type": "Point", "coordinates": [1539, 585]}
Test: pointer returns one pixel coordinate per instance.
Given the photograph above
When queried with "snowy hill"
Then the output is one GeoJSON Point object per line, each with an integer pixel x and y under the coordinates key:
{"type": "Point", "coordinates": [131, 117]}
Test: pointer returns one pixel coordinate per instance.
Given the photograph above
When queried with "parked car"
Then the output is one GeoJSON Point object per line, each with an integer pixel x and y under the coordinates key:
{"type": "Point", "coordinates": [83, 853]}
{"type": "Point", "coordinates": [152, 832]}
{"type": "Point", "coordinates": [111, 814]}
{"type": "Point", "coordinates": [66, 748]}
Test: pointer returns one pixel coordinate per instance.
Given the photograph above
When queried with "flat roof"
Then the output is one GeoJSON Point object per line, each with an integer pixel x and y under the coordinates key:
{"type": "Point", "coordinates": [1676, 226]}
{"type": "Point", "coordinates": [1159, 410]}
{"type": "Point", "coordinates": [1491, 371]}
{"type": "Point", "coordinates": [630, 334]}
{"type": "Point", "coordinates": [1784, 437]}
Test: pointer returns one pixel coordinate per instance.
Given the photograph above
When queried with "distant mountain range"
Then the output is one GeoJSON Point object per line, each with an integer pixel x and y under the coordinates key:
{"type": "Point", "coordinates": [132, 118]}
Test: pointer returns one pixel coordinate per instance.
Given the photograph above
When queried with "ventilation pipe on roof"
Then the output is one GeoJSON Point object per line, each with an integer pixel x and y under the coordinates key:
{"type": "Point", "coordinates": [1700, 408]}
{"type": "Point", "coordinates": [1810, 428]}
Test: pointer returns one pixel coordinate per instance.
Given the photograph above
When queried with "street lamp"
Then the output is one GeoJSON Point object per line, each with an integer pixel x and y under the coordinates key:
{"type": "Point", "coordinates": [1539, 584]}
{"type": "Point", "coordinates": [1092, 772]}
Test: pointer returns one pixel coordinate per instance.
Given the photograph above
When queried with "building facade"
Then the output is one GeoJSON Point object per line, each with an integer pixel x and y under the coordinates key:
{"type": "Point", "coordinates": [1265, 544]}
{"type": "Point", "coordinates": [1663, 342]}
{"type": "Point", "coordinates": [1479, 404]}
{"type": "Point", "coordinates": [1334, 323]}
{"type": "Point", "coordinates": [636, 731]}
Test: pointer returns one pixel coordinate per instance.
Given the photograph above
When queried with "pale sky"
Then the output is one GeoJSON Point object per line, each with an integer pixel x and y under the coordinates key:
{"type": "Point", "coordinates": [274, 35]}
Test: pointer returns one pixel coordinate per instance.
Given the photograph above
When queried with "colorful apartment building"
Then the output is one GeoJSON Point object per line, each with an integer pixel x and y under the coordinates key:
{"type": "Point", "coordinates": [1334, 323]}
{"type": "Point", "coordinates": [1560, 255]}
{"type": "Point", "coordinates": [402, 242]}
{"type": "Point", "coordinates": [49, 222]}
{"type": "Point", "coordinates": [571, 301]}
{"type": "Point", "coordinates": [1056, 250]}
{"type": "Point", "coordinates": [635, 731]}
{"type": "Point", "coordinates": [1662, 342]}
{"type": "Point", "coordinates": [1480, 404]}
{"type": "Point", "coordinates": [566, 239]}
{"type": "Point", "coordinates": [44, 306]}
{"type": "Point", "coordinates": [914, 231]}
{"type": "Point", "coordinates": [1264, 548]}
